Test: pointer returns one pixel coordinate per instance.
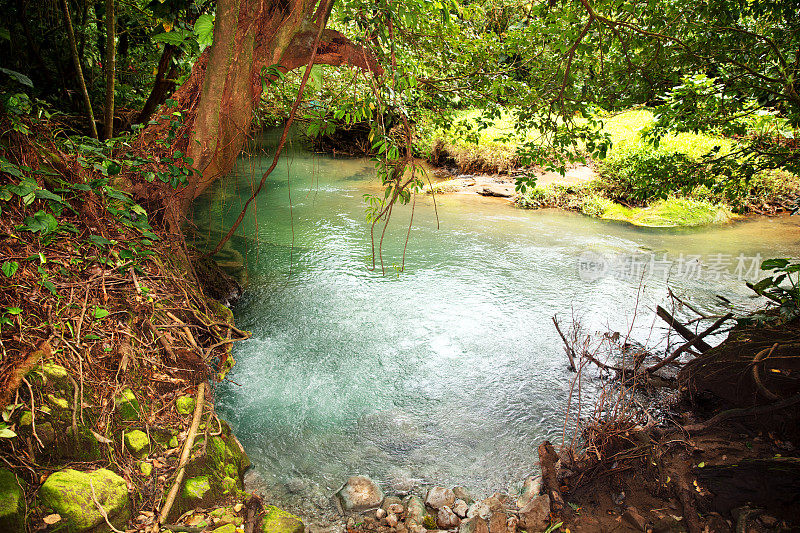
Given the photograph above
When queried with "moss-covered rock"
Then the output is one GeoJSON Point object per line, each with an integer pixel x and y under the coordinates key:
{"type": "Point", "coordinates": [46, 433]}
{"type": "Point", "coordinates": [145, 468]}
{"type": "Point", "coordinates": [227, 528]}
{"type": "Point", "coordinates": [279, 521]}
{"type": "Point", "coordinates": [58, 403]}
{"type": "Point", "coordinates": [185, 405]}
{"type": "Point", "coordinates": [85, 447]}
{"type": "Point", "coordinates": [197, 492]}
{"type": "Point", "coordinates": [127, 405]}
{"type": "Point", "coordinates": [69, 493]}
{"type": "Point", "coordinates": [12, 503]}
{"type": "Point", "coordinates": [26, 418]}
{"type": "Point", "coordinates": [137, 442]}
{"type": "Point", "coordinates": [56, 375]}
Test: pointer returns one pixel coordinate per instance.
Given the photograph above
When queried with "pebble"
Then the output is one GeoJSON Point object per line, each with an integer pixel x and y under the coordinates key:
{"type": "Point", "coordinates": [447, 519]}
{"type": "Point", "coordinates": [460, 507]}
{"type": "Point", "coordinates": [380, 513]}
{"type": "Point", "coordinates": [391, 520]}
{"type": "Point", "coordinates": [395, 508]}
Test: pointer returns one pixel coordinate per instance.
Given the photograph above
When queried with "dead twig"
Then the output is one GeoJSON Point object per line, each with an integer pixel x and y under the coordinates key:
{"type": "Point", "coordinates": [760, 356]}
{"type": "Point", "coordinates": [689, 343]}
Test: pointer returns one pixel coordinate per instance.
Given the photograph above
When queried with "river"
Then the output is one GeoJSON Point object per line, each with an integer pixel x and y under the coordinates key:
{"type": "Point", "coordinates": [449, 371]}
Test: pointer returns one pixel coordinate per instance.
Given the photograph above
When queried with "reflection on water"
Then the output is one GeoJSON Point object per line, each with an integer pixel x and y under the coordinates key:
{"type": "Point", "coordinates": [450, 371]}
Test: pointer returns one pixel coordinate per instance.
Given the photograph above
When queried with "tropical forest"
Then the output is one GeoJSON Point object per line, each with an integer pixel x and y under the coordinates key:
{"type": "Point", "coordinates": [399, 266]}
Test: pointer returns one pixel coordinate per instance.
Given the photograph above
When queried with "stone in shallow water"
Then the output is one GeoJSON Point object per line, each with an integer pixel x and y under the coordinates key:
{"type": "Point", "coordinates": [439, 497]}
{"type": "Point", "coordinates": [447, 519]}
{"type": "Point", "coordinates": [359, 494]}
{"type": "Point", "coordinates": [530, 489]}
{"type": "Point", "coordinates": [536, 514]}
{"type": "Point", "coordinates": [460, 508]}
{"type": "Point", "coordinates": [462, 494]}
{"type": "Point", "coordinates": [476, 524]}
{"type": "Point", "coordinates": [415, 514]}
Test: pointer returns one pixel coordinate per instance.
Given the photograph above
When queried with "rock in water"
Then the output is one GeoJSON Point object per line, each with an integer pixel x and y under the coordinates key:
{"type": "Point", "coordinates": [359, 494]}
{"type": "Point", "coordinates": [536, 515]}
{"type": "Point", "coordinates": [12, 503]}
{"type": "Point", "coordinates": [439, 497]}
{"type": "Point", "coordinates": [447, 519]}
{"type": "Point", "coordinates": [69, 493]}
{"type": "Point", "coordinates": [475, 524]}
{"type": "Point", "coordinates": [498, 523]}
{"type": "Point", "coordinates": [530, 489]}
{"type": "Point", "coordinates": [460, 508]}
{"type": "Point", "coordinates": [415, 514]}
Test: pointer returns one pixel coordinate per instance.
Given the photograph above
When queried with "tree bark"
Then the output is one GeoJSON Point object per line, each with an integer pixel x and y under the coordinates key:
{"type": "Point", "coordinates": [110, 68]}
{"type": "Point", "coordinates": [225, 85]}
{"type": "Point", "coordinates": [163, 84]}
{"type": "Point", "coordinates": [78, 70]}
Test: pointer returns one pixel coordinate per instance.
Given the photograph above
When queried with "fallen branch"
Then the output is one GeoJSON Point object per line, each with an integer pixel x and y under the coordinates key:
{"type": "Point", "coordinates": [567, 346]}
{"type": "Point", "coordinates": [682, 330]}
{"type": "Point", "coordinates": [187, 449]}
{"type": "Point", "coordinates": [688, 344]}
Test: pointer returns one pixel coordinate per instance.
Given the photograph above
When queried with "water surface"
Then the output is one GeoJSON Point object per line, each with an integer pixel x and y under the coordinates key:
{"type": "Point", "coordinates": [450, 371]}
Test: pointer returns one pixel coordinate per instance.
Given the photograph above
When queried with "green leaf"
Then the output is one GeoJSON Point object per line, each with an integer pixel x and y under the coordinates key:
{"type": "Point", "coordinates": [176, 37]}
{"type": "Point", "coordinates": [6, 433]}
{"type": "Point", "coordinates": [771, 264]}
{"type": "Point", "coordinates": [10, 268]}
{"type": "Point", "coordinates": [99, 241]}
{"type": "Point", "coordinates": [18, 77]}
{"type": "Point", "coordinates": [41, 222]}
{"type": "Point", "coordinates": [91, 337]}
{"type": "Point", "coordinates": [100, 313]}
{"type": "Point", "coordinates": [204, 30]}
{"type": "Point", "coordinates": [13, 310]}
{"type": "Point", "coordinates": [49, 286]}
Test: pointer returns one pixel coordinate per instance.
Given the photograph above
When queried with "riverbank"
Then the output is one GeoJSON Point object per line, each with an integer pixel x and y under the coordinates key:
{"type": "Point", "coordinates": [111, 352]}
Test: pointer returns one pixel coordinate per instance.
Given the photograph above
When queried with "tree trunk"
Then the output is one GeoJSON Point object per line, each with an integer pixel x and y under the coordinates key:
{"type": "Point", "coordinates": [110, 68]}
{"type": "Point", "coordinates": [224, 88]}
{"type": "Point", "coordinates": [163, 84]}
{"type": "Point", "coordinates": [78, 70]}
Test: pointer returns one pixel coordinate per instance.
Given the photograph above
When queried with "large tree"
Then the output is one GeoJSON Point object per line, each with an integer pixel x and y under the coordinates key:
{"type": "Point", "coordinates": [253, 41]}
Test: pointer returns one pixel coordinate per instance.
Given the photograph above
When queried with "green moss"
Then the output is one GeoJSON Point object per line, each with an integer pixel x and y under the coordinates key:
{"type": "Point", "coordinates": [145, 468]}
{"type": "Point", "coordinates": [279, 521]}
{"type": "Point", "coordinates": [127, 405]}
{"type": "Point", "coordinates": [56, 374]}
{"type": "Point", "coordinates": [228, 485]}
{"type": "Point", "coordinates": [173, 442]}
{"type": "Point", "coordinates": [185, 405]}
{"type": "Point", "coordinates": [197, 488]}
{"type": "Point", "coordinates": [57, 402]}
{"type": "Point", "coordinates": [69, 493]}
{"type": "Point", "coordinates": [26, 419]}
{"type": "Point", "coordinates": [85, 448]}
{"type": "Point", "coordinates": [670, 213]}
{"type": "Point", "coordinates": [227, 528]}
{"type": "Point", "coordinates": [12, 503]}
{"type": "Point", "coordinates": [137, 442]}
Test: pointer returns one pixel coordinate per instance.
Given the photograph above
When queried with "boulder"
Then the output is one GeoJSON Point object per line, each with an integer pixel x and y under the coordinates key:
{"type": "Point", "coordinates": [69, 493]}
{"type": "Point", "coordinates": [462, 494]}
{"type": "Point", "coordinates": [530, 489]}
{"type": "Point", "coordinates": [476, 524]}
{"type": "Point", "coordinates": [447, 519]}
{"type": "Point", "coordinates": [138, 443]}
{"type": "Point", "coordinates": [227, 528]}
{"type": "Point", "coordinates": [535, 516]}
{"type": "Point", "coordinates": [498, 523]}
{"type": "Point", "coordinates": [460, 508]}
{"type": "Point", "coordinates": [279, 521]}
{"type": "Point", "coordinates": [415, 511]}
{"type": "Point", "coordinates": [56, 375]}
{"type": "Point", "coordinates": [127, 405]}
{"type": "Point", "coordinates": [391, 500]}
{"type": "Point", "coordinates": [359, 494]}
{"type": "Point", "coordinates": [12, 503]}
{"type": "Point", "coordinates": [439, 497]}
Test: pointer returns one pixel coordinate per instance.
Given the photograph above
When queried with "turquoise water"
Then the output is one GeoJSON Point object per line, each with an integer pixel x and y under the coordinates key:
{"type": "Point", "coordinates": [450, 371]}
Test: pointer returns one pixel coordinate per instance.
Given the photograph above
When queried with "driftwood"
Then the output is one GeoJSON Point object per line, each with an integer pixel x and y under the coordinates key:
{"type": "Point", "coordinates": [689, 343]}
{"type": "Point", "coordinates": [567, 346]}
{"type": "Point", "coordinates": [682, 330]}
